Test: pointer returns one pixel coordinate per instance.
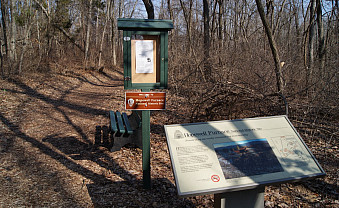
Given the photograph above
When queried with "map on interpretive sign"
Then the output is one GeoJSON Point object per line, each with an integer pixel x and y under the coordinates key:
{"type": "Point", "coordinates": [221, 156]}
{"type": "Point", "coordinates": [291, 151]}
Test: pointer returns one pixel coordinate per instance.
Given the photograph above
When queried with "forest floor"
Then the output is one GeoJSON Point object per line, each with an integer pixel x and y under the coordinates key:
{"type": "Point", "coordinates": [48, 157]}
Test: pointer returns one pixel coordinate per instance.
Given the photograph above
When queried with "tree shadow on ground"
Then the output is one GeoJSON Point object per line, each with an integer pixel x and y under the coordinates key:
{"type": "Point", "coordinates": [85, 79]}
{"type": "Point", "coordinates": [68, 150]}
{"type": "Point", "coordinates": [128, 192]}
{"type": "Point", "coordinates": [78, 150]}
{"type": "Point", "coordinates": [131, 194]}
{"type": "Point", "coordinates": [103, 191]}
{"type": "Point", "coordinates": [27, 90]}
{"type": "Point", "coordinates": [162, 189]}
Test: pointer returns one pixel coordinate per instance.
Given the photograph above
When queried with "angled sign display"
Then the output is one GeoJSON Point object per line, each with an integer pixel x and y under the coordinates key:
{"type": "Point", "coordinates": [232, 155]}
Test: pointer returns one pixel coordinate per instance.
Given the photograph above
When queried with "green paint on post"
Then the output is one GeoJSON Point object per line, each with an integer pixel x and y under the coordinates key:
{"type": "Point", "coordinates": [146, 146]}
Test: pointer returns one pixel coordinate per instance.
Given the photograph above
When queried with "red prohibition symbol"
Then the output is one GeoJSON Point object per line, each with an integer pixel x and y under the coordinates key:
{"type": "Point", "coordinates": [215, 178]}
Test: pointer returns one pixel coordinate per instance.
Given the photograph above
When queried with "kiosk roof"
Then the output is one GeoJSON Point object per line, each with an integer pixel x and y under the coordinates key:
{"type": "Point", "coordinates": [144, 24]}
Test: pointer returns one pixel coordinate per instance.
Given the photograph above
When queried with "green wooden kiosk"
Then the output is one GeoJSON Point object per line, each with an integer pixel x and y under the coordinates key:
{"type": "Point", "coordinates": [145, 52]}
{"type": "Point", "coordinates": [145, 68]}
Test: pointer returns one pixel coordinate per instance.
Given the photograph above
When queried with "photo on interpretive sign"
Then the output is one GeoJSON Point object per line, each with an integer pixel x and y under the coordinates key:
{"type": "Point", "coordinates": [247, 158]}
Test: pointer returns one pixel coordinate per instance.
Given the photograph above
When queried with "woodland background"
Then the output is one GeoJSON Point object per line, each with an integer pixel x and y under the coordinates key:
{"type": "Point", "coordinates": [219, 44]}
{"type": "Point", "coordinates": [227, 60]}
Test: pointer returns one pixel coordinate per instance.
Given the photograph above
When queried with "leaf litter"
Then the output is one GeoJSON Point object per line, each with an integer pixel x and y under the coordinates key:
{"type": "Point", "coordinates": [48, 156]}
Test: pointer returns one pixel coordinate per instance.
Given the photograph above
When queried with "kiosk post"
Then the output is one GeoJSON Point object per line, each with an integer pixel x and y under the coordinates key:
{"type": "Point", "coordinates": [145, 68]}
{"type": "Point", "coordinates": [252, 198]}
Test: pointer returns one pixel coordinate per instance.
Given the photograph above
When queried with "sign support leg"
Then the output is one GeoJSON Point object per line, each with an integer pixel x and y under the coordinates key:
{"type": "Point", "coordinates": [146, 165]}
{"type": "Point", "coordinates": [252, 198]}
{"type": "Point", "coordinates": [146, 145]}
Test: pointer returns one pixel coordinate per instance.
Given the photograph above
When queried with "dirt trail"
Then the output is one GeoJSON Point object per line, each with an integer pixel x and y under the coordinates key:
{"type": "Point", "coordinates": [47, 154]}
{"type": "Point", "coordinates": [47, 157]}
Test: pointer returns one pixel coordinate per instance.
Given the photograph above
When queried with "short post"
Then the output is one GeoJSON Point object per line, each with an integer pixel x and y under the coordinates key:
{"type": "Point", "coordinates": [252, 198]}
{"type": "Point", "coordinates": [146, 146]}
{"type": "Point", "coordinates": [145, 101]}
{"type": "Point", "coordinates": [146, 165]}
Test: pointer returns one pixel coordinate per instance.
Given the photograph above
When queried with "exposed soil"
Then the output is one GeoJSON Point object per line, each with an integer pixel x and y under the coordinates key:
{"type": "Point", "coordinates": [48, 157]}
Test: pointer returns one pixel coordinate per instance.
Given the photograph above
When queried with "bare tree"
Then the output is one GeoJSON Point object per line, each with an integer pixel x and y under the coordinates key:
{"type": "Point", "coordinates": [149, 8]}
{"type": "Point", "coordinates": [88, 31]}
{"type": "Point", "coordinates": [188, 21]}
{"type": "Point", "coordinates": [4, 32]}
{"type": "Point", "coordinates": [108, 11]}
{"type": "Point", "coordinates": [63, 31]}
{"type": "Point", "coordinates": [321, 38]}
{"type": "Point", "coordinates": [114, 32]}
{"type": "Point", "coordinates": [311, 37]}
{"type": "Point", "coordinates": [275, 53]}
{"type": "Point", "coordinates": [133, 9]}
{"type": "Point", "coordinates": [170, 11]}
{"type": "Point", "coordinates": [26, 33]}
{"type": "Point", "coordinates": [207, 67]}
{"type": "Point", "coordinates": [12, 51]}
{"type": "Point", "coordinates": [220, 23]}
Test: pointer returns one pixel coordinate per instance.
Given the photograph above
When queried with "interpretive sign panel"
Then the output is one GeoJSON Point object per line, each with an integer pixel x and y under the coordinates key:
{"type": "Point", "coordinates": [231, 155]}
{"type": "Point", "coordinates": [145, 100]}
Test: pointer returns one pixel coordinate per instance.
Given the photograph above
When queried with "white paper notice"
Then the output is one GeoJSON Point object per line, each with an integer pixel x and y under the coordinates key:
{"type": "Point", "coordinates": [144, 56]}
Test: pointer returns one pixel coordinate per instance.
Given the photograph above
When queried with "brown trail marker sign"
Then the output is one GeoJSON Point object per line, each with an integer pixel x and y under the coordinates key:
{"type": "Point", "coordinates": [145, 68]}
{"type": "Point", "coordinates": [145, 100]}
{"type": "Point", "coordinates": [235, 159]}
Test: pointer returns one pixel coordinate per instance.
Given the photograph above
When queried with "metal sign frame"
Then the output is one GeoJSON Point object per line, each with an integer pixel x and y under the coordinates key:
{"type": "Point", "coordinates": [191, 144]}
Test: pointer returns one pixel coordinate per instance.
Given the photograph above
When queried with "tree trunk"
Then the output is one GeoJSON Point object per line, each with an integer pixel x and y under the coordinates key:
{"type": "Point", "coordinates": [23, 50]}
{"type": "Point", "coordinates": [162, 10]}
{"type": "Point", "coordinates": [4, 31]}
{"type": "Point", "coordinates": [207, 67]}
{"type": "Point", "coordinates": [89, 23]}
{"type": "Point", "coordinates": [296, 22]}
{"type": "Point", "coordinates": [26, 33]}
{"type": "Point", "coordinates": [132, 12]}
{"type": "Point", "coordinates": [270, 13]}
{"type": "Point", "coordinates": [149, 8]}
{"type": "Point", "coordinates": [275, 53]}
{"type": "Point", "coordinates": [12, 52]}
{"type": "Point", "coordinates": [113, 37]}
{"type": "Point", "coordinates": [220, 2]}
{"type": "Point", "coordinates": [170, 11]}
{"type": "Point", "coordinates": [321, 39]}
{"type": "Point", "coordinates": [309, 72]}
{"type": "Point", "coordinates": [188, 20]}
{"type": "Point", "coordinates": [104, 31]}
{"type": "Point", "coordinates": [97, 29]}
{"type": "Point", "coordinates": [278, 17]}
{"type": "Point", "coordinates": [2, 65]}
{"type": "Point", "coordinates": [235, 32]}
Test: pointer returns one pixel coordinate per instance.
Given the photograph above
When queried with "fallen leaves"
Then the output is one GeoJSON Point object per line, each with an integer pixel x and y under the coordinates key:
{"type": "Point", "coordinates": [49, 159]}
